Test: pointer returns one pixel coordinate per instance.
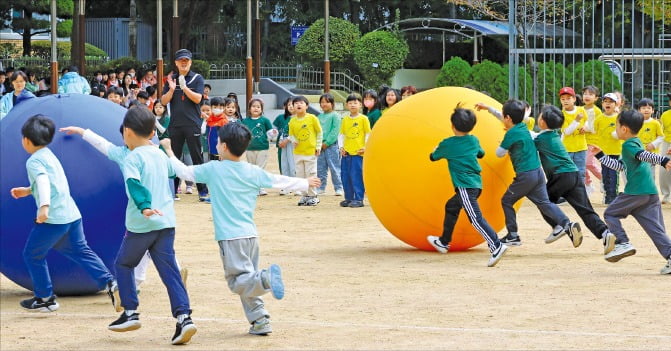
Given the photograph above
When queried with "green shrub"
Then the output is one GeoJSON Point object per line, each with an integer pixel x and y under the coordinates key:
{"type": "Point", "coordinates": [63, 48]}
{"type": "Point", "coordinates": [342, 34]}
{"type": "Point", "coordinates": [596, 73]}
{"type": "Point", "coordinates": [551, 77]}
{"type": "Point", "coordinates": [486, 76]}
{"type": "Point", "coordinates": [64, 29]}
{"type": "Point", "coordinates": [202, 67]}
{"type": "Point", "coordinates": [378, 55]}
{"type": "Point", "coordinates": [525, 84]}
{"type": "Point", "coordinates": [124, 63]}
{"type": "Point", "coordinates": [455, 72]}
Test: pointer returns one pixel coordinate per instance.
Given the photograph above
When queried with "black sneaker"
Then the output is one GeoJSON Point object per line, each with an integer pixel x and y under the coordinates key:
{"type": "Point", "coordinates": [126, 323]}
{"type": "Point", "coordinates": [36, 304]}
{"type": "Point", "coordinates": [112, 290]}
{"type": "Point", "coordinates": [184, 331]}
{"type": "Point", "coordinates": [355, 203]}
{"type": "Point", "coordinates": [511, 240]}
{"type": "Point", "coordinates": [344, 203]}
{"type": "Point", "coordinates": [574, 232]}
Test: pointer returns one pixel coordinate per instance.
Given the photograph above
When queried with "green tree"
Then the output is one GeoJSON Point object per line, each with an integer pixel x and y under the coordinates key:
{"type": "Point", "coordinates": [378, 55]}
{"type": "Point", "coordinates": [455, 72]}
{"type": "Point", "coordinates": [28, 25]}
{"type": "Point", "coordinates": [342, 36]}
{"type": "Point", "coordinates": [485, 76]}
{"type": "Point", "coordinates": [525, 86]}
{"type": "Point", "coordinates": [550, 79]}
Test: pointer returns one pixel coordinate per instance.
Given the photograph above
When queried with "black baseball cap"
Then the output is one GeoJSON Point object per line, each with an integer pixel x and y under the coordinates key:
{"type": "Point", "coordinates": [183, 53]}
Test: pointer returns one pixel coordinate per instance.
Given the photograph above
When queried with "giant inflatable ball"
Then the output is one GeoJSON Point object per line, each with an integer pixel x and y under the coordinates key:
{"type": "Point", "coordinates": [95, 183]}
{"type": "Point", "coordinates": [407, 191]}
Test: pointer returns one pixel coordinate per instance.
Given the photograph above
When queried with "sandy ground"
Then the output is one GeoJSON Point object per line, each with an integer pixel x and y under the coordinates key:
{"type": "Point", "coordinates": [352, 285]}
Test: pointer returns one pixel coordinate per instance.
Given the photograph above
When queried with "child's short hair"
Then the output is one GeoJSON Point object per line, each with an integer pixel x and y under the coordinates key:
{"type": "Point", "coordinates": [592, 89]}
{"type": "Point", "coordinates": [253, 101]}
{"type": "Point", "coordinates": [301, 98]}
{"type": "Point", "coordinates": [143, 95]}
{"type": "Point", "coordinates": [205, 102]}
{"type": "Point", "coordinates": [645, 102]}
{"type": "Point", "coordinates": [150, 90]}
{"type": "Point", "coordinates": [39, 129]}
{"type": "Point", "coordinates": [552, 116]}
{"type": "Point", "coordinates": [140, 121]}
{"type": "Point", "coordinates": [514, 109]}
{"type": "Point", "coordinates": [207, 86]}
{"type": "Point", "coordinates": [353, 97]}
{"type": "Point", "coordinates": [217, 101]}
{"type": "Point", "coordinates": [236, 136]}
{"type": "Point", "coordinates": [463, 119]}
{"type": "Point", "coordinates": [631, 119]}
{"type": "Point", "coordinates": [114, 90]}
{"type": "Point", "coordinates": [328, 97]}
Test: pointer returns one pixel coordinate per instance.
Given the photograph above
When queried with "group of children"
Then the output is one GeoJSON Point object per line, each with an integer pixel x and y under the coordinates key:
{"type": "Point", "coordinates": [549, 168]}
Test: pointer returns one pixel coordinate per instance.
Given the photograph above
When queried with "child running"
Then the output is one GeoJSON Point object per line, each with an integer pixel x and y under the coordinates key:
{"type": "Point", "coordinates": [639, 198]}
{"type": "Point", "coordinates": [58, 224]}
{"type": "Point", "coordinates": [462, 152]}
{"type": "Point", "coordinates": [529, 179]}
{"type": "Point", "coordinates": [563, 179]}
{"type": "Point", "coordinates": [150, 223]}
{"type": "Point", "coordinates": [234, 186]}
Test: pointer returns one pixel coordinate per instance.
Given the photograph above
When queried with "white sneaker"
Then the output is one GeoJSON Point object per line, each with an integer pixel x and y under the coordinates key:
{"type": "Point", "coordinates": [666, 269]}
{"type": "Point", "coordinates": [620, 251]}
{"type": "Point", "coordinates": [263, 192]}
{"type": "Point", "coordinates": [557, 233]}
{"type": "Point", "coordinates": [339, 193]}
{"type": "Point", "coordinates": [437, 244]}
{"type": "Point", "coordinates": [496, 255]}
{"type": "Point", "coordinates": [575, 233]}
{"type": "Point", "coordinates": [189, 189]}
{"type": "Point", "coordinates": [608, 242]}
{"type": "Point", "coordinates": [284, 192]}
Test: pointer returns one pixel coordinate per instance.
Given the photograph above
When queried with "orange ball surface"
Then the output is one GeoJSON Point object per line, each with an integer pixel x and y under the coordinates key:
{"type": "Point", "coordinates": [407, 191]}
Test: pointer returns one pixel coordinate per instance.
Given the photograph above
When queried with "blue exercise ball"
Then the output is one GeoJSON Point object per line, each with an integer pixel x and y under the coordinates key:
{"type": "Point", "coordinates": [96, 184]}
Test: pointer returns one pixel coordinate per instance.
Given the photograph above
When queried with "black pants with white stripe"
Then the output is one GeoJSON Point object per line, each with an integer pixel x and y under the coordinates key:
{"type": "Point", "coordinates": [467, 198]}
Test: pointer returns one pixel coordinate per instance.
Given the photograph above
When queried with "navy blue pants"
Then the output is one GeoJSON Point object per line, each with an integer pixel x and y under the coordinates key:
{"type": "Point", "coordinates": [68, 239]}
{"type": "Point", "coordinates": [610, 181]}
{"type": "Point", "coordinates": [159, 243]}
{"type": "Point", "coordinates": [351, 171]}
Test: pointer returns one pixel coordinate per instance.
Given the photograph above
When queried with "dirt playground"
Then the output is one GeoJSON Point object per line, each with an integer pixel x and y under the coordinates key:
{"type": "Point", "coordinates": [350, 285]}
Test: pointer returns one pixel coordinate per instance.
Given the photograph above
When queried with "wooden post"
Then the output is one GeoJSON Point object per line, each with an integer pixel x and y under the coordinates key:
{"type": "Point", "coordinates": [257, 49]}
{"type": "Point", "coordinates": [175, 31]}
{"type": "Point", "coordinates": [248, 63]}
{"type": "Point", "coordinates": [82, 37]}
{"type": "Point", "coordinates": [159, 48]}
{"type": "Point", "coordinates": [54, 51]}
{"type": "Point", "coordinates": [327, 63]}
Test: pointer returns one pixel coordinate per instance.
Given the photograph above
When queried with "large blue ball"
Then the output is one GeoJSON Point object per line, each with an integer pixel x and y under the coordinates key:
{"type": "Point", "coordinates": [96, 184]}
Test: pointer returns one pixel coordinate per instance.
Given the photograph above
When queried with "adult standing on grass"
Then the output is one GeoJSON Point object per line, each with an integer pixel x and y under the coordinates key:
{"type": "Point", "coordinates": [184, 93]}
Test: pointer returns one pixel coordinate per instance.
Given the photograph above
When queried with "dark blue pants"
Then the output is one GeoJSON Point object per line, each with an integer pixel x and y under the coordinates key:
{"type": "Point", "coordinates": [467, 198]}
{"type": "Point", "coordinates": [68, 239]}
{"type": "Point", "coordinates": [351, 171]}
{"type": "Point", "coordinates": [159, 243]}
{"type": "Point", "coordinates": [610, 181]}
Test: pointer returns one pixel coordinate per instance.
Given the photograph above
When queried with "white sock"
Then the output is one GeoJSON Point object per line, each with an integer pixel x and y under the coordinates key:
{"type": "Point", "coordinates": [129, 312]}
{"type": "Point", "coordinates": [182, 317]}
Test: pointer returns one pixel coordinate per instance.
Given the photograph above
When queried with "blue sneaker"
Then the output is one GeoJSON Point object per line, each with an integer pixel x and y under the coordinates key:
{"type": "Point", "coordinates": [275, 281]}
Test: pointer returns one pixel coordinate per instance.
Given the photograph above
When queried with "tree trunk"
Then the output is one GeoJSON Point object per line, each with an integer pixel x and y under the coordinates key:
{"type": "Point", "coordinates": [74, 36]}
{"type": "Point", "coordinates": [132, 31]}
{"type": "Point", "coordinates": [27, 16]}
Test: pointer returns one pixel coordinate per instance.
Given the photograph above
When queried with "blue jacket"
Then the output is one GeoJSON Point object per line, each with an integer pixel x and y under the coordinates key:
{"type": "Point", "coordinates": [7, 101]}
{"type": "Point", "coordinates": [72, 82]}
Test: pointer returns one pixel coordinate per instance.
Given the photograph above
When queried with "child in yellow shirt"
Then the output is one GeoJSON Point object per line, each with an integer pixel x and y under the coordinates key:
{"type": "Point", "coordinates": [573, 135]}
{"type": "Point", "coordinates": [354, 132]}
{"type": "Point", "coordinates": [651, 133]}
{"type": "Point", "coordinates": [609, 144]}
{"type": "Point", "coordinates": [305, 132]}
{"type": "Point", "coordinates": [590, 94]}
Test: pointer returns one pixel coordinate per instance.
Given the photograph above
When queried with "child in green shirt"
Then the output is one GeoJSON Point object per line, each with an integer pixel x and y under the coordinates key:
{"type": "Point", "coordinates": [461, 152]}
{"type": "Point", "coordinates": [639, 198]}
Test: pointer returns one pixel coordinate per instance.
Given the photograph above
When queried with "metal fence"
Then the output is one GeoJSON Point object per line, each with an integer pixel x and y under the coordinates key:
{"type": "Point", "coordinates": [305, 77]}
{"type": "Point", "coordinates": [632, 37]}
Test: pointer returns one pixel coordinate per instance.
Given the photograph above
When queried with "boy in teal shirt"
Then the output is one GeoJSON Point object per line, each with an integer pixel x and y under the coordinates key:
{"type": "Point", "coordinates": [639, 198]}
{"type": "Point", "coordinates": [461, 152]}
{"type": "Point", "coordinates": [563, 179]}
{"type": "Point", "coordinates": [529, 179]}
{"type": "Point", "coordinates": [234, 187]}
{"type": "Point", "coordinates": [58, 224]}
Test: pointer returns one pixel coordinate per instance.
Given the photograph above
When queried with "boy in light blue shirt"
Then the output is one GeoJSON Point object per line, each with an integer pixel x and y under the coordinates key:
{"type": "Point", "coordinates": [58, 224]}
{"type": "Point", "coordinates": [234, 187]}
{"type": "Point", "coordinates": [150, 223]}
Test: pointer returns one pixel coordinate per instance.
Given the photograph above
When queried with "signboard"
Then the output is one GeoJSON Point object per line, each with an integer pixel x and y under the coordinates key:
{"type": "Point", "coordinates": [296, 33]}
{"type": "Point", "coordinates": [616, 68]}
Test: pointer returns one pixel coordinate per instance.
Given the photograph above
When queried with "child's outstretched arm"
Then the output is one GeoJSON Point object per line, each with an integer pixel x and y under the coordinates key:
{"type": "Point", "coordinates": [653, 158]}
{"type": "Point", "coordinates": [292, 183]}
{"type": "Point", "coordinates": [181, 170]}
{"type": "Point", "coordinates": [481, 106]}
{"type": "Point", "coordinates": [101, 144]}
{"type": "Point", "coordinates": [43, 193]}
{"type": "Point", "coordinates": [611, 163]}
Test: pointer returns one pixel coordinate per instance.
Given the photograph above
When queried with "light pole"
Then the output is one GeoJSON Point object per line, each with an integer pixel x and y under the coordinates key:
{"type": "Point", "coordinates": [327, 63]}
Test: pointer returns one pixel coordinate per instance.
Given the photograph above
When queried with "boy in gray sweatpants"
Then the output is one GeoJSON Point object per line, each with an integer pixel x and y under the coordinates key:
{"type": "Point", "coordinates": [639, 198]}
{"type": "Point", "coordinates": [234, 187]}
{"type": "Point", "coordinates": [529, 179]}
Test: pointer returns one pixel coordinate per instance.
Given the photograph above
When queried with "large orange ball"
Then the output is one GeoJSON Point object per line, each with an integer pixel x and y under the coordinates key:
{"type": "Point", "coordinates": [407, 191]}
